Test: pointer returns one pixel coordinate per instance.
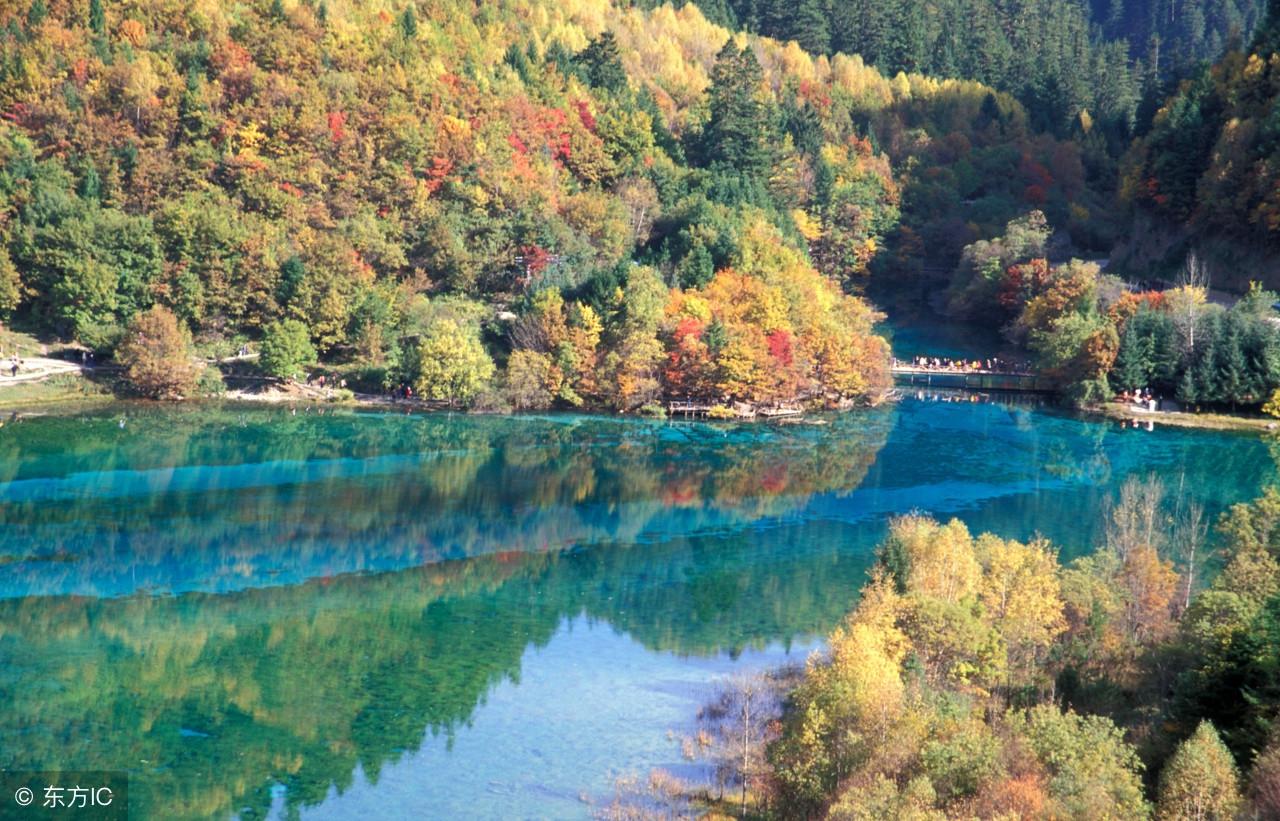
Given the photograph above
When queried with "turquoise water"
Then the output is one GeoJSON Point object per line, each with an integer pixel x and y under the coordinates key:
{"type": "Point", "coordinates": [263, 614]}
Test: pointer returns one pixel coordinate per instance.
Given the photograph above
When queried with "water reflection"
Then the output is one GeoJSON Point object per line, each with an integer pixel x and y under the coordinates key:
{"type": "Point", "coordinates": [225, 500]}
{"type": "Point", "coordinates": [222, 600]}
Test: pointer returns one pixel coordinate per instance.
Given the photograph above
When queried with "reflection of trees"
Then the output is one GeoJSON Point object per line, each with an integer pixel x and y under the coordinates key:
{"type": "Point", "coordinates": [295, 683]}
{"type": "Point", "coordinates": [307, 496]}
{"type": "Point", "coordinates": [207, 698]}
{"type": "Point", "coordinates": [300, 683]}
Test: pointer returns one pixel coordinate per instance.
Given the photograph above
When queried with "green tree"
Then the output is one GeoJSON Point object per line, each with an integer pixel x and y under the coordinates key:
{"type": "Point", "coordinates": [697, 267]}
{"type": "Point", "coordinates": [1133, 366]}
{"type": "Point", "coordinates": [97, 18]}
{"type": "Point", "coordinates": [1200, 782]}
{"type": "Point", "coordinates": [10, 285]}
{"type": "Point", "coordinates": [286, 347]}
{"type": "Point", "coordinates": [809, 26]}
{"type": "Point", "coordinates": [1093, 772]}
{"type": "Point", "coordinates": [601, 63]}
{"type": "Point", "coordinates": [739, 133]}
{"type": "Point", "coordinates": [408, 22]}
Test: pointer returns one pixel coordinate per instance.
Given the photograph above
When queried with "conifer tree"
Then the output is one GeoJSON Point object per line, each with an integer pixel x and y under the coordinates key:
{"type": "Point", "coordinates": [97, 18]}
{"type": "Point", "coordinates": [739, 134]}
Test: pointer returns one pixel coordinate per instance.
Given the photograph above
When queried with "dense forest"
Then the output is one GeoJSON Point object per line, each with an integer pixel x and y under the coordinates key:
{"type": "Point", "coordinates": [1205, 175]}
{"type": "Point", "coordinates": [531, 204]}
{"type": "Point", "coordinates": [521, 205]}
{"type": "Point", "coordinates": [1058, 58]}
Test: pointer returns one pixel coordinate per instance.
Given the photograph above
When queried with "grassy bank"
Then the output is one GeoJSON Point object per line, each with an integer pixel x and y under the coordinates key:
{"type": "Point", "coordinates": [1208, 421]}
{"type": "Point", "coordinates": [58, 389]}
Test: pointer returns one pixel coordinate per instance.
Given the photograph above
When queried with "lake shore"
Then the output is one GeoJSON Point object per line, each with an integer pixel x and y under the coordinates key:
{"type": "Point", "coordinates": [76, 391]}
{"type": "Point", "coordinates": [1125, 412]}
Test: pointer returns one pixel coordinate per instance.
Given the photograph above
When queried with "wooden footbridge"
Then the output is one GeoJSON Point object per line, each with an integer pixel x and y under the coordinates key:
{"type": "Point", "coordinates": [977, 379]}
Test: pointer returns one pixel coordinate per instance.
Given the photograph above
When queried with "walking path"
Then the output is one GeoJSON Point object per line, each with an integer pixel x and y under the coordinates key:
{"type": "Point", "coordinates": [36, 368]}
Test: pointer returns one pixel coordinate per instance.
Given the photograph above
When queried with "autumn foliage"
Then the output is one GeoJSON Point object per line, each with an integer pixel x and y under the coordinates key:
{"type": "Point", "coordinates": [981, 677]}
{"type": "Point", "coordinates": [158, 357]}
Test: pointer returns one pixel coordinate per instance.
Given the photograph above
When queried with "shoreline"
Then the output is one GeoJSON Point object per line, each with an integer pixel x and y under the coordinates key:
{"type": "Point", "coordinates": [1123, 412]}
{"type": "Point", "coordinates": [73, 391]}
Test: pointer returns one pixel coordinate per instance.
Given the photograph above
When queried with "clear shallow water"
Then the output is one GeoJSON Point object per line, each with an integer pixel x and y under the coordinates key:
{"type": "Point", "coordinates": [433, 616]}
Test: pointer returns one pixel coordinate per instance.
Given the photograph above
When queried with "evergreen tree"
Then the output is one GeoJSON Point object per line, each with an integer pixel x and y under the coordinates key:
{"type": "Point", "coordinates": [1203, 371]}
{"type": "Point", "coordinates": [408, 22]}
{"type": "Point", "coordinates": [1230, 366]}
{"type": "Point", "coordinates": [697, 267]}
{"type": "Point", "coordinates": [738, 134]}
{"type": "Point", "coordinates": [36, 12]}
{"type": "Point", "coordinates": [809, 26]}
{"type": "Point", "coordinates": [1187, 392]}
{"type": "Point", "coordinates": [601, 63]}
{"type": "Point", "coordinates": [90, 188]}
{"type": "Point", "coordinates": [1133, 366]}
{"type": "Point", "coordinates": [97, 18]}
{"type": "Point", "coordinates": [194, 117]}
{"type": "Point", "coordinates": [292, 274]}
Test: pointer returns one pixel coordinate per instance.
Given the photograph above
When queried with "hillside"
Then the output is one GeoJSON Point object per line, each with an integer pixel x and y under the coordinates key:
{"type": "Point", "coordinates": [663, 207]}
{"type": "Point", "coordinates": [1206, 177]}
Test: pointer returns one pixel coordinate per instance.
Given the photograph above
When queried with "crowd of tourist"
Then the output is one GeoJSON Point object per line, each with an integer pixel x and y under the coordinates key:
{"type": "Point", "coordinates": [1140, 398]}
{"type": "Point", "coordinates": [945, 364]}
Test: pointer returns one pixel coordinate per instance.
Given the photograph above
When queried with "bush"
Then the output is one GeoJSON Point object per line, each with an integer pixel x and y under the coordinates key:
{"type": "Point", "coordinates": [101, 337]}
{"type": "Point", "coordinates": [286, 348]}
{"type": "Point", "coordinates": [211, 383]}
{"type": "Point", "coordinates": [157, 356]}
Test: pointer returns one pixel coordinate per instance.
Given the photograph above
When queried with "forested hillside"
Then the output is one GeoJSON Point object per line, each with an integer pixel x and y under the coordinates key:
{"type": "Point", "coordinates": [614, 203]}
{"type": "Point", "coordinates": [1207, 174]}
{"type": "Point", "coordinates": [1058, 58]}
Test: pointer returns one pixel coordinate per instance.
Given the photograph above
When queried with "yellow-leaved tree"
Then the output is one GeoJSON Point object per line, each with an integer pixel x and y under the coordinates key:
{"type": "Point", "coordinates": [1200, 782]}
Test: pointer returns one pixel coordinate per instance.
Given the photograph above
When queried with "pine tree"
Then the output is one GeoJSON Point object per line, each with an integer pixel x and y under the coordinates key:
{"type": "Point", "coordinates": [739, 134]}
{"type": "Point", "coordinates": [1187, 392]}
{"type": "Point", "coordinates": [1208, 384]}
{"type": "Point", "coordinates": [1230, 365]}
{"type": "Point", "coordinates": [36, 14]}
{"type": "Point", "coordinates": [193, 113]}
{"type": "Point", "coordinates": [697, 268]}
{"type": "Point", "coordinates": [97, 18]}
{"type": "Point", "coordinates": [408, 22]}
{"type": "Point", "coordinates": [1133, 363]}
{"type": "Point", "coordinates": [601, 63]}
{"type": "Point", "coordinates": [809, 26]}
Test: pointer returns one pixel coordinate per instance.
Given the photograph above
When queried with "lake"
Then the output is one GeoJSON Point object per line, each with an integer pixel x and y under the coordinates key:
{"type": "Point", "coordinates": [264, 614]}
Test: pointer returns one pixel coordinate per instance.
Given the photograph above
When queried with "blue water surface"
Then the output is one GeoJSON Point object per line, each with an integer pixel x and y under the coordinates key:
{"type": "Point", "coordinates": [258, 613]}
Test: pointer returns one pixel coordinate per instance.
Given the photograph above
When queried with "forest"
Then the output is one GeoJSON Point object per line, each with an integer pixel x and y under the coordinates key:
{"type": "Point", "coordinates": [518, 206]}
